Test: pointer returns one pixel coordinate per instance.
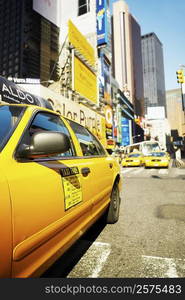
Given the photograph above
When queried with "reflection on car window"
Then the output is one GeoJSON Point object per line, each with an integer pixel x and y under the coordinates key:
{"type": "Point", "coordinates": [49, 122]}
{"type": "Point", "coordinates": [157, 154]}
{"type": "Point", "coordinates": [89, 144]}
{"type": "Point", "coordinates": [134, 155]}
{"type": "Point", "coordinates": [9, 117]}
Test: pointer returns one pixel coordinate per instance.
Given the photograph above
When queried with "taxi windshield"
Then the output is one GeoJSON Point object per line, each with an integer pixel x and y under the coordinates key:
{"type": "Point", "coordinates": [157, 154]}
{"type": "Point", "coordinates": [134, 155]}
{"type": "Point", "coordinates": [9, 118]}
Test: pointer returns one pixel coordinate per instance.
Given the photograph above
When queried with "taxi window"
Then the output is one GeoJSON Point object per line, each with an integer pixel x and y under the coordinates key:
{"type": "Point", "coordinates": [134, 155]}
{"type": "Point", "coordinates": [49, 122]}
{"type": "Point", "coordinates": [89, 144]}
{"type": "Point", "coordinates": [9, 118]}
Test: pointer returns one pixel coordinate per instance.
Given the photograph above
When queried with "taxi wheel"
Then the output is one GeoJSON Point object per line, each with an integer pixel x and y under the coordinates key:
{"type": "Point", "coordinates": [113, 210]}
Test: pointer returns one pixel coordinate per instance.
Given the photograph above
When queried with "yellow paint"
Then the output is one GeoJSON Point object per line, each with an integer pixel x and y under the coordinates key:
{"type": "Point", "coordinates": [85, 81]}
{"type": "Point", "coordinates": [79, 41]}
{"type": "Point", "coordinates": [42, 212]}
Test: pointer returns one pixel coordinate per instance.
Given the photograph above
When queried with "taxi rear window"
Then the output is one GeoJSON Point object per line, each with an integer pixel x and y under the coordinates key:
{"type": "Point", "coordinates": [89, 144]}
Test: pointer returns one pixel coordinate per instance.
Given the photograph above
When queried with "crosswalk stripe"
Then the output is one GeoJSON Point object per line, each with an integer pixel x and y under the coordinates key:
{"type": "Point", "coordinates": [142, 172]}
{"type": "Point", "coordinates": [126, 170]}
{"type": "Point", "coordinates": [138, 171]}
{"type": "Point", "coordinates": [178, 172]}
{"type": "Point", "coordinates": [163, 171]}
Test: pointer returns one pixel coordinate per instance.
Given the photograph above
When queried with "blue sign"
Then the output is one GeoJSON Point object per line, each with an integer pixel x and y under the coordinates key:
{"type": "Point", "coordinates": [102, 30]}
{"type": "Point", "coordinates": [125, 132]}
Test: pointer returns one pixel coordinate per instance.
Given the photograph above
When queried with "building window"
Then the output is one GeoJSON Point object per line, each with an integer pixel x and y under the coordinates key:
{"type": "Point", "coordinates": [83, 7]}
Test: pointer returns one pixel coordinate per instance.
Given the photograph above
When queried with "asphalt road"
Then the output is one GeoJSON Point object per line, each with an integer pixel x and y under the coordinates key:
{"type": "Point", "coordinates": [147, 241]}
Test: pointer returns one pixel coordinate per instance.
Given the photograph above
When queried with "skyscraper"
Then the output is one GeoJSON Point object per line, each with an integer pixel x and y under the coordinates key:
{"type": "Point", "coordinates": [127, 58]}
{"type": "Point", "coordinates": [29, 42]}
{"type": "Point", "coordinates": [153, 71]}
{"type": "Point", "coordinates": [138, 91]}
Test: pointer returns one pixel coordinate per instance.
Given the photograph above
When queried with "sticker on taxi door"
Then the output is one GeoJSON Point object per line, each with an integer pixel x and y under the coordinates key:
{"type": "Point", "coordinates": [72, 186]}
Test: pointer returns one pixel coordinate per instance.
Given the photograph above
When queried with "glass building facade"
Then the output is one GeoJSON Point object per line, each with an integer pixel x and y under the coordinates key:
{"type": "Point", "coordinates": [153, 71]}
{"type": "Point", "coordinates": [137, 67]}
{"type": "Point", "coordinates": [29, 45]}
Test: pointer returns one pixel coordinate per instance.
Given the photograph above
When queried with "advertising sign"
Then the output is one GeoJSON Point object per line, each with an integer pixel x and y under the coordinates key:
{"type": "Point", "coordinates": [109, 125]}
{"type": "Point", "coordinates": [80, 43]}
{"type": "Point", "coordinates": [155, 112]}
{"type": "Point", "coordinates": [102, 24]}
{"type": "Point", "coordinates": [13, 94]}
{"type": "Point", "coordinates": [125, 132]}
{"type": "Point", "coordinates": [106, 74]}
{"type": "Point", "coordinates": [49, 9]}
{"type": "Point", "coordinates": [84, 81]}
{"type": "Point", "coordinates": [74, 111]}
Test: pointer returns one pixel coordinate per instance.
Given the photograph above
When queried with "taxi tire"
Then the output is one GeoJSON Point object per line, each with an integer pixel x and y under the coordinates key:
{"type": "Point", "coordinates": [114, 207]}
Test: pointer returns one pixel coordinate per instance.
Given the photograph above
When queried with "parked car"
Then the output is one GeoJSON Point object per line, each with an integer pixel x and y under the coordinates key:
{"type": "Point", "coordinates": [56, 180]}
{"type": "Point", "coordinates": [157, 159]}
{"type": "Point", "coordinates": [134, 159]}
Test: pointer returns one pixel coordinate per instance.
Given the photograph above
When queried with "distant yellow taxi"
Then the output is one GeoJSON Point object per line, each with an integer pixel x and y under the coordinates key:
{"type": "Point", "coordinates": [134, 159]}
{"type": "Point", "coordinates": [56, 180]}
{"type": "Point", "coordinates": [157, 159]}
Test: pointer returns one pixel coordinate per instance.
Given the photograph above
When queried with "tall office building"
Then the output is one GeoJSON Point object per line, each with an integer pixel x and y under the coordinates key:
{"type": "Point", "coordinates": [153, 71]}
{"type": "Point", "coordinates": [127, 57]}
{"type": "Point", "coordinates": [29, 39]}
{"type": "Point", "coordinates": [122, 59]}
{"type": "Point", "coordinates": [175, 114]}
{"type": "Point", "coordinates": [138, 90]}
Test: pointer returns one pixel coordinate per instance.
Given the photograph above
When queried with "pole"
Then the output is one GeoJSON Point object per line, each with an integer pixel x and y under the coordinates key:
{"type": "Point", "coordinates": [182, 95]}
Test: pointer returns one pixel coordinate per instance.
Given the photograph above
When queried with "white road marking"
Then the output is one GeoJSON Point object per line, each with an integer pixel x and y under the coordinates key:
{"type": "Point", "coordinates": [105, 251]}
{"type": "Point", "coordinates": [137, 171]}
{"type": "Point", "coordinates": [163, 263]}
{"type": "Point", "coordinates": [177, 172]}
{"type": "Point", "coordinates": [173, 172]}
{"type": "Point", "coordinates": [126, 170]}
{"type": "Point", "coordinates": [92, 262]}
{"type": "Point", "coordinates": [163, 171]}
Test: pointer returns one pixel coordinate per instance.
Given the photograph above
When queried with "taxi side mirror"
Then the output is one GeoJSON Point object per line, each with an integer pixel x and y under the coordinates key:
{"type": "Point", "coordinates": [44, 144]}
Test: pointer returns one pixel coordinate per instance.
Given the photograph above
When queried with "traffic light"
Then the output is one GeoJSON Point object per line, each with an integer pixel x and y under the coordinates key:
{"type": "Point", "coordinates": [180, 76]}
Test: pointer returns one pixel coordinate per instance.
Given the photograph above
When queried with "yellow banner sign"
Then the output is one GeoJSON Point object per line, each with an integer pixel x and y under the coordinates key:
{"type": "Point", "coordinates": [81, 44]}
{"type": "Point", "coordinates": [85, 81]}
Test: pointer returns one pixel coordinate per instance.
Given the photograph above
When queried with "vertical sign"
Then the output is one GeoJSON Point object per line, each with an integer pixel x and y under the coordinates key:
{"type": "Point", "coordinates": [101, 13]}
{"type": "Point", "coordinates": [125, 132]}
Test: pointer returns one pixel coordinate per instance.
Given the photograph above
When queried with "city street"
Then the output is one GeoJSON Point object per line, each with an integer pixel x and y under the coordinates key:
{"type": "Point", "coordinates": [147, 241]}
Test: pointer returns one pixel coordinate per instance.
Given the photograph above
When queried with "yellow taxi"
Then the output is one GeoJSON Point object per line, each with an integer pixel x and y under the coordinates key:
{"type": "Point", "coordinates": [157, 159]}
{"type": "Point", "coordinates": [134, 159]}
{"type": "Point", "coordinates": [56, 180]}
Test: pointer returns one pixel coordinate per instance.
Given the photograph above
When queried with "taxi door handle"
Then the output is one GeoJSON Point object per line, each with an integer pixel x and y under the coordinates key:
{"type": "Point", "coordinates": [85, 171]}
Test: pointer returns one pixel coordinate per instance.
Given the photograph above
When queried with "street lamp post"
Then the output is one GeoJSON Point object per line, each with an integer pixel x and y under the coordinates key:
{"type": "Point", "coordinates": [181, 81]}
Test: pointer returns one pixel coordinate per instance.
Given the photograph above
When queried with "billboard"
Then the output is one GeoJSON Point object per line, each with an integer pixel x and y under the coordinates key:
{"type": "Point", "coordinates": [84, 81]}
{"type": "Point", "coordinates": [125, 132]}
{"type": "Point", "coordinates": [81, 44]}
{"type": "Point", "coordinates": [49, 9]}
{"type": "Point", "coordinates": [74, 111]}
{"type": "Point", "coordinates": [102, 24]}
{"type": "Point", "coordinates": [14, 94]}
{"type": "Point", "coordinates": [155, 113]}
{"type": "Point", "coordinates": [109, 125]}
